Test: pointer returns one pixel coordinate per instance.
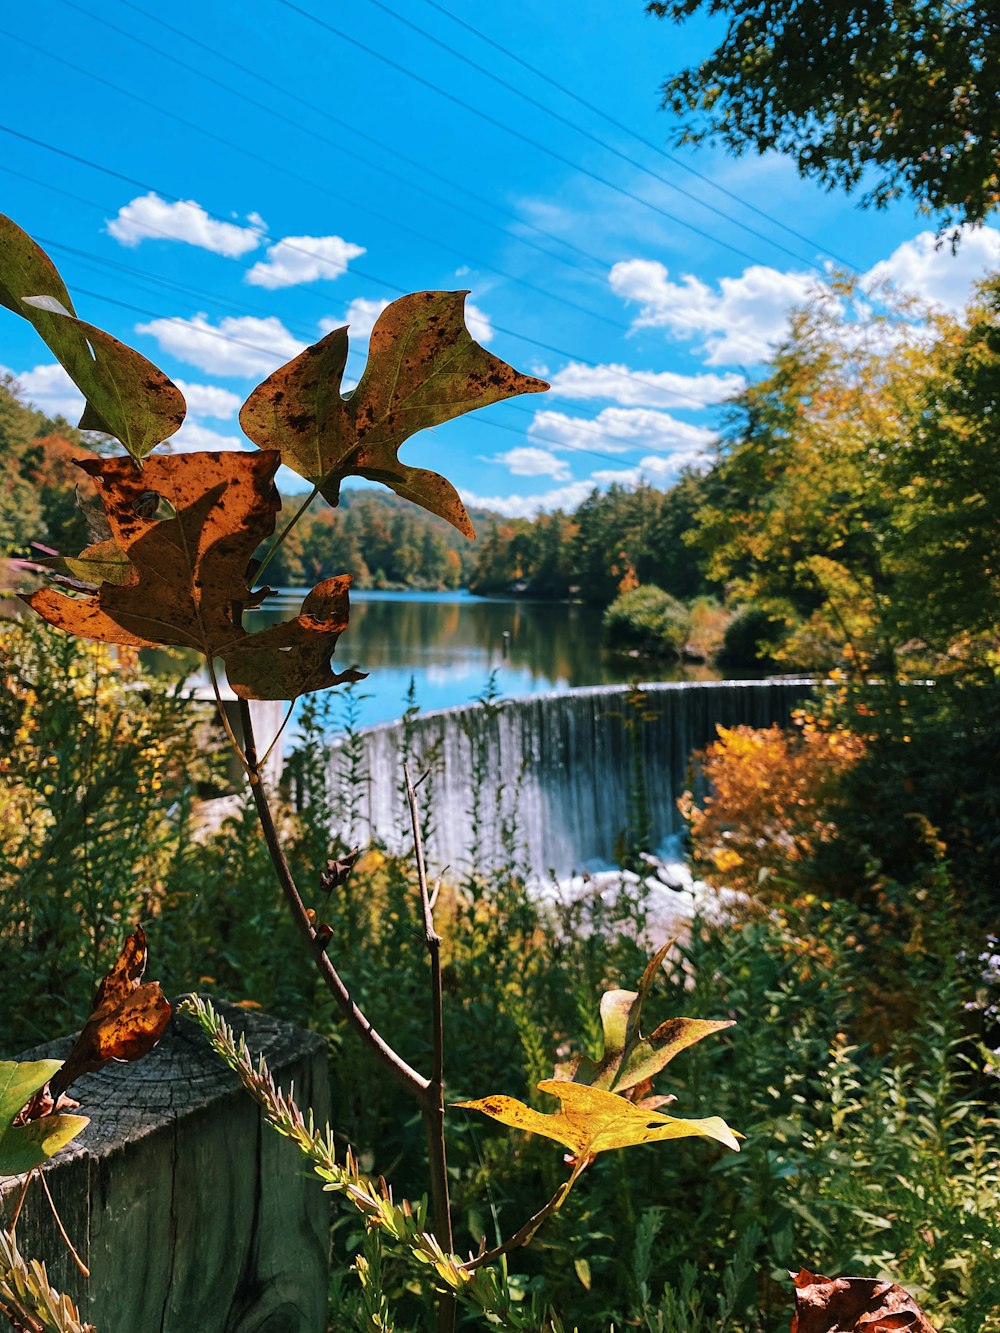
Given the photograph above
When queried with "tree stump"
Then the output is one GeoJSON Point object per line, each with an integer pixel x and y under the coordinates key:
{"type": "Point", "coordinates": [191, 1213]}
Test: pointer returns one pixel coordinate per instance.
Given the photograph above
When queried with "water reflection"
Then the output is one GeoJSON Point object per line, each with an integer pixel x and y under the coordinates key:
{"type": "Point", "coordinates": [448, 644]}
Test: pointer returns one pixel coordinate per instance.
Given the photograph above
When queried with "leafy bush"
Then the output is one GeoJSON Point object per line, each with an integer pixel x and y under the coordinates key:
{"type": "Point", "coordinates": [648, 620]}
{"type": "Point", "coordinates": [749, 638]}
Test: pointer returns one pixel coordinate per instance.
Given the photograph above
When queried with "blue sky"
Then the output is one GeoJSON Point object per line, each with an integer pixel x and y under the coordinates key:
{"type": "Point", "coordinates": [220, 184]}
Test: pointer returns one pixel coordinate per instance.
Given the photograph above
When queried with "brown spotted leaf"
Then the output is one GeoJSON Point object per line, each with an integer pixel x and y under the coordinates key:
{"type": "Point", "coordinates": [853, 1305]}
{"type": "Point", "coordinates": [424, 368]}
{"type": "Point", "coordinates": [293, 658]}
{"type": "Point", "coordinates": [128, 1018]}
{"type": "Point", "coordinates": [629, 1059]}
{"type": "Point", "coordinates": [591, 1121]}
{"type": "Point", "coordinates": [127, 396]}
{"type": "Point", "coordinates": [188, 571]}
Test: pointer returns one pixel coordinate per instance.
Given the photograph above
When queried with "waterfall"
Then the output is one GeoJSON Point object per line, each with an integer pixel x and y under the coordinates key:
{"type": "Point", "coordinates": [549, 772]}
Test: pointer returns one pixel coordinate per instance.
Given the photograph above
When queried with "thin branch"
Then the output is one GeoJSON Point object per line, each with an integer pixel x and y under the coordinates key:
{"type": "Point", "coordinates": [62, 1230]}
{"type": "Point", "coordinates": [285, 531]}
{"type": "Point", "coordinates": [240, 754]}
{"type": "Point", "coordinates": [524, 1235]}
{"type": "Point", "coordinates": [409, 1078]}
{"type": "Point", "coordinates": [287, 718]}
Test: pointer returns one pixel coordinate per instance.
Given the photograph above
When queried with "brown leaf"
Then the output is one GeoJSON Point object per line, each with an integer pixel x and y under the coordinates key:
{"type": "Point", "coordinates": [853, 1305]}
{"type": "Point", "coordinates": [424, 368]}
{"type": "Point", "coordinates": [127, 1020]}
{"type": "Point", "coordinates": [189, 570]}
{"type": "Point", "coordinates": [293, 658]}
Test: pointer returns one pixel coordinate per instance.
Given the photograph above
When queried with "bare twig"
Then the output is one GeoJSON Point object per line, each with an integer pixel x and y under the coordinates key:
{"type": "Point", "coordinates": [433, 1109]}
{"type": "Point", "coordinates": [415, 1083]}
{"type": "Point", "coordinates": [62, 1230]}
{"type": "Point", "coordinates": [524, 1235]}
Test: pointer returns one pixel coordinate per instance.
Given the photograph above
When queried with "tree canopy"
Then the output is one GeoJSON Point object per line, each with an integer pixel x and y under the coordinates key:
{"type": "Point", "coordinates": [907, 88]}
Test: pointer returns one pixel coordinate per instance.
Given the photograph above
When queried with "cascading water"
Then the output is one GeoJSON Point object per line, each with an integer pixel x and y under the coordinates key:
{"type": "Point", "coordinates": [551, 772]}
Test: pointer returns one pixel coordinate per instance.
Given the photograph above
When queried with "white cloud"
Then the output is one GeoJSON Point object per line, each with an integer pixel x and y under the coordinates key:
{"type": "Point", "coordinates": [208, 400]}
{"type": "Point", "coordinates": [621, 429]}
{"type": "Point", "coordinates": [740, 323]}
{"type": "Point", "coordinates": [478, 323]}
{"type": "Point", "coordinates": [51, 390]}
{"type": "Point", "coordinates": [654, 469]}
{"type": "Point", "coordinates": [526, 462]}
{"type": "Point", "coordinates": [643, 388]}
{"type": "Point", "coordinates": [527, 506]}
{"type": "Point", "coordinates": [932, 273]}
{"type": "Point", "coordinates": [245, 346]}
{"type": "Point", "coordinates": [193, 436]}
{"type": "Point", "coordinates": [149, 216]}
{"type": "Point", "coordinates": [297, 259]}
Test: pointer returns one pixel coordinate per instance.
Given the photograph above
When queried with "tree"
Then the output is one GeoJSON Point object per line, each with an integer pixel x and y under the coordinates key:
{"type": "Point", "coordinates": [908, 88]}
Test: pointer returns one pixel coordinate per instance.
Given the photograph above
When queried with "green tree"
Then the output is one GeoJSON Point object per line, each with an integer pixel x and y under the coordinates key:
{"type": "Point", "coordinates": [905, 89]}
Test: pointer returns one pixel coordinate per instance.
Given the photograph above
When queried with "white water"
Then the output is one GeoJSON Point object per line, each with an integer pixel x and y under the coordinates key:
{"type": "Point", "coordinates": [557, 767]}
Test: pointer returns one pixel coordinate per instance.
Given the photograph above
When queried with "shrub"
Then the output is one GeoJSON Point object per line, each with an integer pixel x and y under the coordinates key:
{"type": "Point", "coordinates": [648, 620]}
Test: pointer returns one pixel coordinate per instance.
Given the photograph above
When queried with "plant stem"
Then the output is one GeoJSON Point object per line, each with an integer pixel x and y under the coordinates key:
{"type": "Point", "coordinates": [524, 1235]}
{"type": "Point", "coordinates": [285, 531]}
{"type": "Point", "coordinates": [432, 1109]}
{"type": "Point", "coordinates": [415, 1083]}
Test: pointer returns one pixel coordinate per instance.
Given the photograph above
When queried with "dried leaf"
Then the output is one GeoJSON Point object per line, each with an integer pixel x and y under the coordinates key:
{"type": "Point", "coordinates": [127, 396]}
{"type": "Point", "coordinates": [593, 1121]}
{"type": "Point", "coordinates": [424, 368]}
{"type": "Point", "coordinates": [25, 1146]}
{"type": "Point", "coordinates": [188, 526]}
{"type": "Point", "coordinates": [293, 658]}
{"type": "Point", "coordinates": [127, 1020]}
{"type": "Point", "coordinates": [629, 1058]}
{"type": "Point", "coordinates": [104, 562]}
{"type": "Point", "coordinates": [853, 1305]}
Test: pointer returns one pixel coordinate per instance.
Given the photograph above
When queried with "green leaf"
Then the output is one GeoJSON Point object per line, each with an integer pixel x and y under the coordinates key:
{"type": "Point", "coordinates": [23, 1147]}
{"type": "Point", "coordinates": [629, 1058]}
{"type": "Point", "coordinates": [127, 396]}
{"type": "Point", "coordinates": [424, 368]}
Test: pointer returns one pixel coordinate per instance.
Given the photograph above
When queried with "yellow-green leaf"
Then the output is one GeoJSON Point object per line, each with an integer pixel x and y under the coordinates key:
{"type": "Point", "coordinates": [592, 1121]}
{"type": "Point", "coordinates": [424, 368]}
{"type": "Point", "coordinates": [127, 396]}
{"type": "Point", "coordinates": [629, 1058]}
{"type": "Point", "coordinates": [23, 1147]}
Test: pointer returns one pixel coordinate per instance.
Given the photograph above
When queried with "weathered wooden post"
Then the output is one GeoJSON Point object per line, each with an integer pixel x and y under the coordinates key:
{"type": "Point", "coordinates": [192, 1215]}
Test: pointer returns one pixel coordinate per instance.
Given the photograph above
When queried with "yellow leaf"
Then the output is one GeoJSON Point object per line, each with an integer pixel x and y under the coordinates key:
{"type": "Point", "coordinates": [593, 1121]}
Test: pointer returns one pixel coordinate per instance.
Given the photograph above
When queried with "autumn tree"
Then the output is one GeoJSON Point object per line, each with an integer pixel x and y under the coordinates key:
{"type": "Point", "coordinates": [902, 93]}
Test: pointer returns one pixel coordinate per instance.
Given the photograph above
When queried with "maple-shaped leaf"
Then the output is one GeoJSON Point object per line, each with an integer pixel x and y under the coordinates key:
{"type": "Point", "coordinates": [188, 571]}
{"type": "Point", "coordinates": [629, 1059]}
{"type": "Point", "coordinates": [25, 1146]}
{"type": "Point", "coordinates": [292, 658]}
{"type": "Point", "coordinates": [187, 527]}
{"type": "Point", "coordinates": [592, 1121]}
{"type": "Point", "coordinates": [853, 1305]}
{"type": "Point", "coordinates": [424, 368]}
{"type": "Point", "coordinates": [128, 1017]}
{"type": "Point", "coordinates": [127, 396]}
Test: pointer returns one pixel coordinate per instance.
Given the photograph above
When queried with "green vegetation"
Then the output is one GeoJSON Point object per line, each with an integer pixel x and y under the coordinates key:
{"type": "Point", "coordinates": [905, 90]}
{"type": "Point", "coordinates": [648, 620]}
{"type": "Point", "coordinates": [852, 1017]}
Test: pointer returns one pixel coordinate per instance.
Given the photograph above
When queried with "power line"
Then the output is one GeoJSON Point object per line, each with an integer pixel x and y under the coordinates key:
{"type": "Point", "coordinates": [350, 201]}
{"type": "Point", "coordinates": [579, 129]}
{"type": "Point", "coordinates": [648, 143]}
{"type": "Point", "coordinates": [517, 134]}
{"type": "Point", "coordinates": [630, 377]}
{"type": "Point", "coordinates": [358, 133]}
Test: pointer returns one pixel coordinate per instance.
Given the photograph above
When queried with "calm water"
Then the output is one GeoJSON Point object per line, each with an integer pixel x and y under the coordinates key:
{"type": "Point", "coordinates": [449, 643]}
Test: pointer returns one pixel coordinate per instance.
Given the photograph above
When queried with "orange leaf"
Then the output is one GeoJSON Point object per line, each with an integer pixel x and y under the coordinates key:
{"type": "Point", "coordinates": [853, 1305]}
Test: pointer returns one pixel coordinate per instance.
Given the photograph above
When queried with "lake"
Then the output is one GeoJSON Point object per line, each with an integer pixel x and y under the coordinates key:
{"type": "Point", "coordinates": [448, 644]}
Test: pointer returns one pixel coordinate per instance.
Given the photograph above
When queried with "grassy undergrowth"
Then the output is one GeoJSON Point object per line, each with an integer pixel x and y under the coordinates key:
{"type": "Point", "coordinates": [860, 1078]}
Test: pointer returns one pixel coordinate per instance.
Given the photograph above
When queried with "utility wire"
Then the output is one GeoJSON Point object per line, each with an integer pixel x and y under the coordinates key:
{"type": "Point", "coordinates": [579, 129]}
{"type": "Point", "coordinates": [630, 377]}
{"type": "Point", "coordinates": [335, 144]}
{"type": "Point", "coordinates": [454, 186]}
{"type": "Point", "coordinates": [517, 134]}
{"type": "Point", "coordinates": [350, 201]}
{"type": "Point", "coordinates": [647, 143]}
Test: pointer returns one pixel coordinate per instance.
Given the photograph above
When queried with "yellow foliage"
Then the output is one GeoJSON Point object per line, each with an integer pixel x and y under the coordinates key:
{"type": "Point", "coordinates": [770, 804]}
